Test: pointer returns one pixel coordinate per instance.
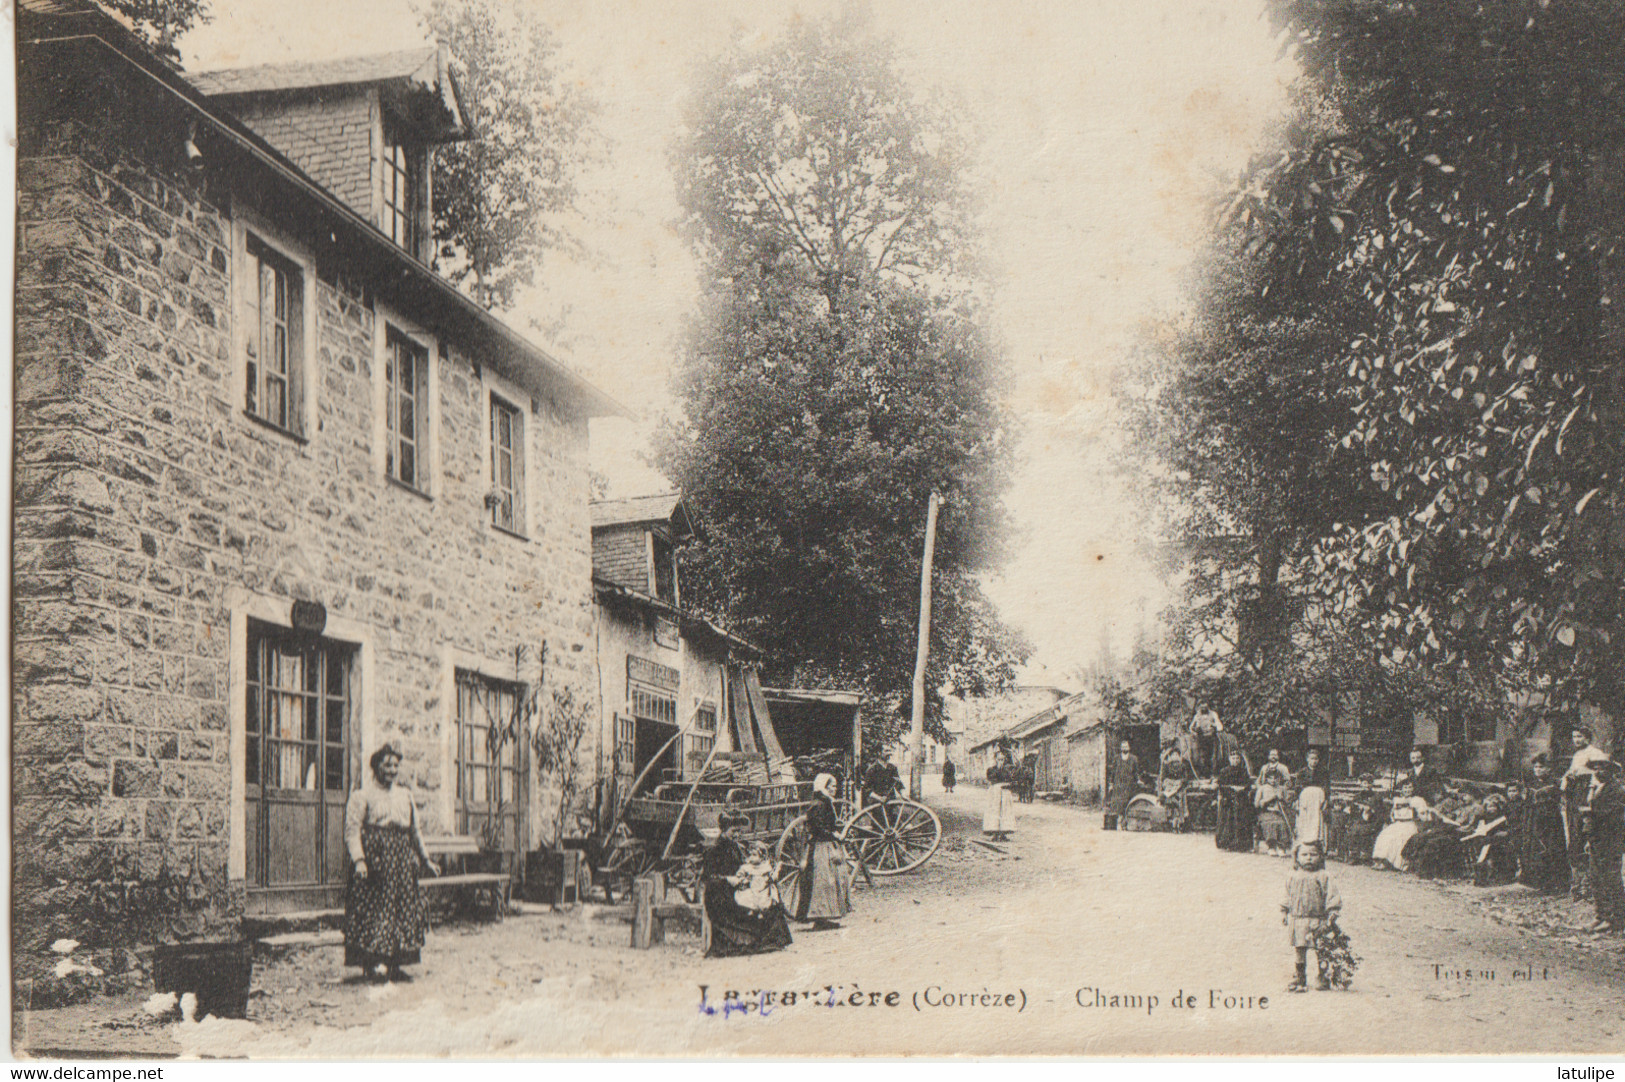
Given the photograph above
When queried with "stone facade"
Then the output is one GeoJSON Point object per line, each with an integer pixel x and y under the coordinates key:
{"type": "Point", "coordinates": [158, 527]}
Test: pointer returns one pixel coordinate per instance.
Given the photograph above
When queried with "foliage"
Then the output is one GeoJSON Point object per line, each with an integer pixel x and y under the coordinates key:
{"type": "Point", "coordinates": [556, 746]}
{"type": "Point", "coordinates": [836, 374]}
{"type": "Point", "coordinates": [1468, 195]}
{"type": "Point", "coordinates": [1423, 281]}
{"type": "Point", "coordinates": [160, 22]}
{"type": "Point", "coordinates": [503, 198]}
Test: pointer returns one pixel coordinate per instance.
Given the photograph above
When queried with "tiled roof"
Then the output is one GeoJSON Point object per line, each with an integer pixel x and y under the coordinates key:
{"type": "Point", "coordinates": [420, 65]}
{"type": "Point", "coordinates": [659, 508]}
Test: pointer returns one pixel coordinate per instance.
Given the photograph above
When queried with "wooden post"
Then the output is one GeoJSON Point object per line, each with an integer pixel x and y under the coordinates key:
{"type": "Point", "coordinates": [643, 899]}
{"type": "Point", "coordinates": [917, 730]}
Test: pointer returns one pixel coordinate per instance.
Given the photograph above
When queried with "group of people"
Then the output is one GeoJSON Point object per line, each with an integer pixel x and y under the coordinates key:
{"type": "Point", "coordinates": [1551, 833]}
{"type": "Point", "coordinates": [385, 917]}
{"type": "Point", "coordinates": [743, 906]}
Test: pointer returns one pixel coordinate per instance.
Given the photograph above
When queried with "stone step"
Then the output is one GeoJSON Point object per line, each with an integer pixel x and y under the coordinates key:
{"type": "Point", "coordinates": [327, 937]}
{"type": "Point", "coordinates": [299, 920]}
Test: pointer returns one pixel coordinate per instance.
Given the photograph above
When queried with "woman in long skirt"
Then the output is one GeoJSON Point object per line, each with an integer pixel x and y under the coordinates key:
{"type": "Point", "coordinates": [735, 929]}
{"type": "Point", "coordinates": [1235, 830]}
{"type": "Point", "coordinates": [1310, 822]}
{"type": "Point", "coordinates": [824, 887]}
{"type": "Point", "coordinates": [383, 905]}
{"type": "Point", "coordinates": [1543, 859]}
{"type": "Point", "coordinates": [1389, 847]}
{"type": "Point", "coordinates": [999, 819]}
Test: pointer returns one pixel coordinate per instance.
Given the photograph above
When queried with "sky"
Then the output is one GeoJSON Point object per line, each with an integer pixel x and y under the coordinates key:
{"type": "Point", "coordinates": [1105, 124]}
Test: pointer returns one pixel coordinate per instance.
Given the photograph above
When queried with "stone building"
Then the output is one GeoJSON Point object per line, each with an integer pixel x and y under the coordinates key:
{"type": "Point", "coordinates": [673, 684]}
{"type": "Point", "coordinates": [281, 493]}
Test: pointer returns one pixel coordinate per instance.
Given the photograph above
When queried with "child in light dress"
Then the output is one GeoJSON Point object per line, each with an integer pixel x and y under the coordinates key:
{"type": "Point", "coordinates": [754, 880]}
{"type": "Point", "coordinates": [1312, 905]}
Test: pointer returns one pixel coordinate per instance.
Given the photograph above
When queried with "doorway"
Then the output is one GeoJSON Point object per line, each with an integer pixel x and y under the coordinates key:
{"type": "Point", "coordinates": [299, 726]}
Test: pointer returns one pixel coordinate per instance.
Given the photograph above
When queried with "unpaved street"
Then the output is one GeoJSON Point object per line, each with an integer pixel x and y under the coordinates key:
{"type": "Point", "coordinates": [1068, 910]}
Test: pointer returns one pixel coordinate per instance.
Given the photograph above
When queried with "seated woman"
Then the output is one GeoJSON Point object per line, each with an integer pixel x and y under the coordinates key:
{"type": "Point", "coordinates": [727, 876]}
{"type": "Point", "coordinates": [1389, 848]}
{"type": "Point", "coordinates": [1491, 852]}
{"type": "Point", "coordinates": [1436, 851]}
{"type": "Point", "coordinates": [1270, 798]}
{"type": "Point", "coordinates": [1355, 823]}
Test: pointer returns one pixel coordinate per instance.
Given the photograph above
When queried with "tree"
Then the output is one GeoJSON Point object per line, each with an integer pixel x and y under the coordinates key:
{"type": "Point", "coordinates": [815, 150]}
{"type": "Point", "coordinates": [1468, 193]}
{"type": "Point", "coordinates": [502, 199]}
{"type": "Point", "coordinates": [836, 372]}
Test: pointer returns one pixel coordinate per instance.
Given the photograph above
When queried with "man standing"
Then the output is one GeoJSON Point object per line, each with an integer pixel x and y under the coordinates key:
{"type": "Point", "coordinates": [1607, 836]}
{"type": "Point", "coordinates": [1426, 782]}
{"type": "Point", "coordinates": [1205, 729]}
{"type": "Point", "coordinates": [1576, 786]}
{"type": "Point", "coordinates": [1122, 784]}
{"type": "Point", "coordinates": [948, 772]}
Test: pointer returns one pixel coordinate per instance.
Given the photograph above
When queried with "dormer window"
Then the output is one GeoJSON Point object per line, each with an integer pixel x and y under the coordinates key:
{"type": "Point", "coordinates": [665, 569]}
{"type": "Point", "coordinates": [401, 218]}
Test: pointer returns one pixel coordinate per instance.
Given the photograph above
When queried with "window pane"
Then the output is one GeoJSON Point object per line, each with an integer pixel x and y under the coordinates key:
{"type": "Point", "coordinates": [409, 466]}
{"type": "Point", "coordinates": [279, 350]}
{"type": "Point", "coordinates": [408, 367]}
{"type": "Point", "coordinates": [336, 710]}
{"type": "Point", "coordinates": [253, 388]}
{"type": "Point", "coordinates": [313, 671]}
{"type": "Point", "coordinates": [251, 762]}
{"type": "Point", "coordinates": [409, 420]}
{"type": "Point", "coordinates": [255, 645]}
{"type": "Point", "coordinates": [279, 288]}
{"type": "Point", "coordinates": [335, 769]}
{"type": "Point", "coordinates": [253, 709]}
{"type": "Point", "coordinates": [338, 667]}
{"type": "Point", "coordinates": [313, 720]}
{"type": "Point", "coordinates": [276, 400]}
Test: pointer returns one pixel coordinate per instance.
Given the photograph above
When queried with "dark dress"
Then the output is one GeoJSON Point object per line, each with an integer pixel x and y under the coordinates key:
{"type": "Point", "coordinates": [1121, 787]}
{"type": "Point", "coordinates": [1235, 830]}
{"type": "Point", "coordinates": [1607, 840]}
{"type": "Point", "coordinates": [736, 930]}
{"type": "Point", "coordinates": [948, 776]}
{"type": "Point", "coordinates": [1543, 860]}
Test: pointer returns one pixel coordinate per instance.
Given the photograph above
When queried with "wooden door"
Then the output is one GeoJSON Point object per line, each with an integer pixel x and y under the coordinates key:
{"type": "Point", "coordinates": [297, 759]}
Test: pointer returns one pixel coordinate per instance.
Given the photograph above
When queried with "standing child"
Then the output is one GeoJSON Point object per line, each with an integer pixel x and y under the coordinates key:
{"type": "Point", "coordinates": [1312, 903]}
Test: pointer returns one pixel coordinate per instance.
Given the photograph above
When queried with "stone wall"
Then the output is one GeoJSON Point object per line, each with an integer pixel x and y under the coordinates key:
{"type": "Point", "coordinates": [149, 512]}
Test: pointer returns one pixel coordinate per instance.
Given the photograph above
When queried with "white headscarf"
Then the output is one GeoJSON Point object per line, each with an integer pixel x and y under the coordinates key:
{"type": "Point", "coordinates": [825, 783]}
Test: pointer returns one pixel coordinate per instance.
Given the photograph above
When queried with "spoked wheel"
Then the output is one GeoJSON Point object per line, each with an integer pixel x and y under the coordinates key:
{"type": "Point", "coordinates": [1144, 813]}
{"type": "Point", "coordinates": [789, 853]}
{"type": "Point", "coordinates": [892, 838]}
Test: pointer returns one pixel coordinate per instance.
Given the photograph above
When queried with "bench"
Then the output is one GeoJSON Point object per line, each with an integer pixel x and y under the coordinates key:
{"type": "Point", "coordinates": [496, 886]}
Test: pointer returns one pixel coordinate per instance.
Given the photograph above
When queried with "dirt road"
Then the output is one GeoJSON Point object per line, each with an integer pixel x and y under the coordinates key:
{"type": "Point", "coordinates": [1074, 941]}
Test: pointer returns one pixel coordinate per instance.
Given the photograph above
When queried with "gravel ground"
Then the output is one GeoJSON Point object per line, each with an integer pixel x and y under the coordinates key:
{"type": "Point", "coordinates": [1013, 941]}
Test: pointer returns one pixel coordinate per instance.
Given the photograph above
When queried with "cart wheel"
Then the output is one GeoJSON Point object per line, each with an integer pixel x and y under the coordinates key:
{"type": "Point", "coordinates": [789, 852]}
{"type": "Point", "coordinates": [895, 837]}
{"type": "Point", "coordinates": [1144, 814]}
{"type": "Point", "coordinates": [683, 875]}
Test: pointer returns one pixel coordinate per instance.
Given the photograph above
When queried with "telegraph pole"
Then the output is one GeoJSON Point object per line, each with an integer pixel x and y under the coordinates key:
{"type": "Point", "coordinates": [917, 732]}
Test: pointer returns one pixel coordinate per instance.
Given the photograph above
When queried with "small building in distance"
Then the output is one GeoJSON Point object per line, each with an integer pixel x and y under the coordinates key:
{"type": "Point", "coordinates": [674, 685]}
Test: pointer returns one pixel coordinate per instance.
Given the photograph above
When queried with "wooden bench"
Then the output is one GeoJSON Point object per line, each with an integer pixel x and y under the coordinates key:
{"type": "Point", "coordinates": [651, 909]}
{"type": "Point", "coordinates": [495, 885]}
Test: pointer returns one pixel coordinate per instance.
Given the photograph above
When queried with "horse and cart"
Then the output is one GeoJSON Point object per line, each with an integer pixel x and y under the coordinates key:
{"type": "Point", "coordinates": [665, 827]}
